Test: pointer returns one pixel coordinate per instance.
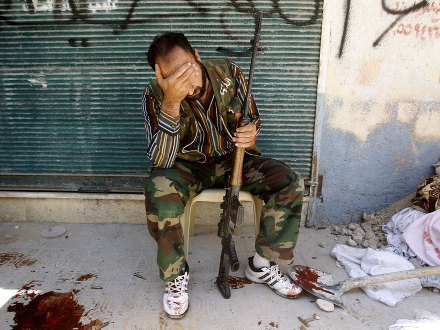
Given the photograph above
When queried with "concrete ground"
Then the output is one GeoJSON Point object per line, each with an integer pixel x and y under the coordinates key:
{"type": "Point", "coordinates": [104, 276]}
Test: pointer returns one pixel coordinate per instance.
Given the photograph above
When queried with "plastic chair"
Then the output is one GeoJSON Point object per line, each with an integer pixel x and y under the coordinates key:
{"type": "Point", "coordinates": [216, 196]}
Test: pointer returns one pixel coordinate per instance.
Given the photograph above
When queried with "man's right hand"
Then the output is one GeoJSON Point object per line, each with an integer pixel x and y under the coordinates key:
{"type": "Point", "coordinates": [176, 87]}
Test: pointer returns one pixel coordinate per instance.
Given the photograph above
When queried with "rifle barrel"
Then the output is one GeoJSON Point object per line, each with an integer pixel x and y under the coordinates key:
{"type": "Point", "coordinates": [255, 45]}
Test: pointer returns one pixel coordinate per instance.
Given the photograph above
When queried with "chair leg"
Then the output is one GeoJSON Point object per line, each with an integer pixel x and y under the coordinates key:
{"type": "Point", "coordinates": [192, 218]}
{"type": "Point", "coordinates": [258, 206]}
{"type": "Point", "coordinates": [185, 222]}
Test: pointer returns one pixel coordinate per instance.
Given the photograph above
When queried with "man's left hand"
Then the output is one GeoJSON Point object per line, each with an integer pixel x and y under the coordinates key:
{"type": "Point", "coordinates": [245, 136]}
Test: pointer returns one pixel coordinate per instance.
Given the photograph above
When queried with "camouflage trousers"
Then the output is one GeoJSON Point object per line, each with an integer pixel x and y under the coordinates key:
{"type": "Point", "coordinates": [168, 190]}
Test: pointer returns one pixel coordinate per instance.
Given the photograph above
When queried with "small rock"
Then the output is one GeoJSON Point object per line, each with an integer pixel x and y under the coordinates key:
{"type": "Point", "coordinates": [351, 242]}
{"type": "Point", "coordinates": [359, 232]}
{"type": "Point", "coordinates": [436, 290]}
{"type": "Point", "coordinates": [321, 245]}
{"type": "Point", "coordinates": [357, 239]}
{"type": "Point", "coordinates": [370, 235]}
{"type": "Point", "coordinates": [365, 244]}
{"type": "Point", "coordinates": [316, 316]}
{"type": "Point", "coordinates": [336, 230]}
{"type": "Point", "coordinates": [372, 243]}
{"type": "Point", "coordinates": [345, 231]}
{"type": "Point", "coordinates": [325, 305]}
{"type": "Point", "coordinates": [352, 226]}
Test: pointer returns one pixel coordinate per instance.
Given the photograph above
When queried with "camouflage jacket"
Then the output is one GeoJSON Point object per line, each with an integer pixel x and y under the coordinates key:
{"type": "Point", "coordinates": [170, 138]}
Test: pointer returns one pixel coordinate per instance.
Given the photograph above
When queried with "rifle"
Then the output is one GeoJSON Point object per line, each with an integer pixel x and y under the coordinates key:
{"type": "Point", "coordinates": [233, 211]}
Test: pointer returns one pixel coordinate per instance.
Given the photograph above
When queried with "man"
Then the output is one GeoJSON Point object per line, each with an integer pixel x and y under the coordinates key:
{"type": "Point", "coordinates": [190, 122]}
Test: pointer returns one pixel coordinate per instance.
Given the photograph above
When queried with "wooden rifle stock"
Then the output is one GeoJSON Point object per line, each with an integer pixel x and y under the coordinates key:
{"type": "Point", "coordinates": [232, 214]}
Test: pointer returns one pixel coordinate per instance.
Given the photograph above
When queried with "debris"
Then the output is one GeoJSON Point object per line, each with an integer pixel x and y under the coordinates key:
{"type": "Point", "coordinates": [140, 276]}
{"type": "Point", "coordinates": [53, 231]}
{"type": "Point", "coordinates": [351, 226]}
{"type": "Point", "coordinates": [17, 227]}
{"type": "Point", "coordinates": [336, 230]}
{"type": "Point", "coordinates": [85, 277]}
{"type": "Point", "coordinates": [358, 239]}
{"type": "Point", "coordinates": [96, 287]}
{"type": "Point", "coordinates": [372, 243]}
{"type": "Point", "coordinates": [351, 242]}
{"type": "Point", "coordinates": [321, 245]}
{"type": "Point", "coordinates": [316, 316]}
{"type": "Point", "coordinates": [345, 231]}
{"type": "Point", "coordinates": [302, 327]}
{"type": "Point", "coordinates": [306, 323]}
{"type": "Point", "coordinates": [325, 305]}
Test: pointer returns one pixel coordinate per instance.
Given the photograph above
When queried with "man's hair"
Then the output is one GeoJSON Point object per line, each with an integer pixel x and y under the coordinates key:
{"type": "Point", "coordinates": [163, 43]}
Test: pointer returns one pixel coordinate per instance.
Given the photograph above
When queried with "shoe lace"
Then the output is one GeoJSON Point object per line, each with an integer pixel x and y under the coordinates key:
{"type": "Point", "coordinates": [276, 274]}
{"type": "Point", "coordinates": [178, 286]}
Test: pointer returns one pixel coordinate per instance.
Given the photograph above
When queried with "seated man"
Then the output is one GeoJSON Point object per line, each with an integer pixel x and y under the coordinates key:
{"type": "Point", "coordinates": [191, 133]}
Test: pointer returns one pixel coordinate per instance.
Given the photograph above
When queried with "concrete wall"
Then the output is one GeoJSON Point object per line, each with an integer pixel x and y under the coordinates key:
{"type": "Point", "coordinates": [378, 118]}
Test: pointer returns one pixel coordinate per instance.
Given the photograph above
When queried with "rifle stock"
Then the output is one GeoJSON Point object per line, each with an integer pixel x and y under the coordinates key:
{"type": "Point", "coordinates": [233, 211]}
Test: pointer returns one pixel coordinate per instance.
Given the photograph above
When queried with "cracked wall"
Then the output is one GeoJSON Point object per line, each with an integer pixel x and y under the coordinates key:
{"type": "Point", "coordinates": [379, 113]}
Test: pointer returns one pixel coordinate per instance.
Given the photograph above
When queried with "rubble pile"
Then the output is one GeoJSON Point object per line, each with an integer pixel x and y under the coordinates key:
{"type": "Point", "coordinates": [369, 233]}
{"type": "Point", "coordinates": [366, 234]}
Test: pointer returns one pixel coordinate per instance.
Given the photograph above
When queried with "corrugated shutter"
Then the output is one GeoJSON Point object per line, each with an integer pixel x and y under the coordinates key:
{"type": "Point", "coordinates": [72, 72]}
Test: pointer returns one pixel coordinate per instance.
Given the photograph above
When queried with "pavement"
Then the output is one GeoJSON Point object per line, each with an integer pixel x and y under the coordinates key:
{"type": "Point", "coordinates": [97, 276]}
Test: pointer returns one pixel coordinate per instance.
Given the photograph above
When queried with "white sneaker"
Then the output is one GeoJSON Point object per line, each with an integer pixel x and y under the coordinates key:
{"type": "Point", "coordinates": [175, 299]}
{"type": "Point", "coordinates": [272, 276]}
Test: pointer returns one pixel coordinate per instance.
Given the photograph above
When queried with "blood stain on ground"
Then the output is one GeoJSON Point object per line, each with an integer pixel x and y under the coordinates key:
{"type": "Point", "coordinates": [17, 259]}
{"type": "Point", "coordinates": [238, 282]}
{"type": "Point", "coordinates": [85, 277]}
{"type": "Point", "coordinates": [273, 324]}
{"type": "Point", "coordinates": [50, 310]}
{"type": "Point", "coordinates": [26, 290]}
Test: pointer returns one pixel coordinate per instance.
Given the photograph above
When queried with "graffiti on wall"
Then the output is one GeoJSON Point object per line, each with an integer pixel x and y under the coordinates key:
{"type": "Point", "coordinates": [428, 13]}
{"type": "Point", "coordinates": [67, 12]}
{"type": "Point", "coordinates": [62, 6]}
{"type": "Point", "coordinates": [427, 25]}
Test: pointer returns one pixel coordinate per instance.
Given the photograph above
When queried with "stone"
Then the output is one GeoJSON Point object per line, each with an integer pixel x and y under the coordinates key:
{"type": "Point", "coordinates": [359, 232]}
{"type": "Point", "coordinates": [357, 239]}
{"type": "Point", "coordinates": [352, 226]}
{"type": "Point", "coordinates": [372, 243]}
{"type": "Point", "coordinates": [351, 242]}
{"type": "Point", "coordinates": [370, 235]}
{"type": "Point", "coordinates": [336, 230]}
{"type": "Point", "coordinates": [345, 231]}
{"type": "Point", "coordinates": [366, 225]}
{"type": "Point", "coordinates": [321, 245]}
{"type": "Point", "coordinates": [325, 305]}
{"type": "Point", "coordinates": [365, 244]}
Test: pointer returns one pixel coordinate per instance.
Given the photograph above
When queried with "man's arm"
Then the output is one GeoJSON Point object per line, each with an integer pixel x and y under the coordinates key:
{"type": "Point", "coordinates": [162, 132]}
{"type": "Point", "coordinates": [162, 121]}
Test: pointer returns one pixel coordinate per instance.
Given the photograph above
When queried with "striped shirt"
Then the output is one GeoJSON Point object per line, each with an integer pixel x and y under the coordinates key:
{"type": "Point", "coordinates": [212, 138]}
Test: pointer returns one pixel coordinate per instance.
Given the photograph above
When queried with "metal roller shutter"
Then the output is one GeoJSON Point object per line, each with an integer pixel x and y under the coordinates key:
{"type": "Point", "coordinates": [72, 72]}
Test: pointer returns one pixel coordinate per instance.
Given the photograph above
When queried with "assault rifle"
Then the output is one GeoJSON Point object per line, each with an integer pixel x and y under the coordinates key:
{"type": "Point", "coordinates": [233, 212]}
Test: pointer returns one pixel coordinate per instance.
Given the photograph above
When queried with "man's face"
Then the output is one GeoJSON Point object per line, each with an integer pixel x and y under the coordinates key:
{"type": "Point", "coordinates": [175, 59]}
